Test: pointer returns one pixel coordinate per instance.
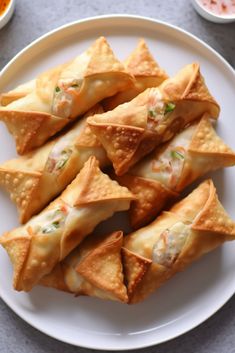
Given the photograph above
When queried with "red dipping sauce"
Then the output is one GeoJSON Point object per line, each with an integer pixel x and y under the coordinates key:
{"type": "Point", "coordinates": [3, 6]}
{"type": "Point", "coordinates": [219, 7]}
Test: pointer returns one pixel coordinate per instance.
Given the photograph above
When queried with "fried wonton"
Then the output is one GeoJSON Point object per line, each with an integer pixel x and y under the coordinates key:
{"type": "Point", "coordinates": [141, 64]}
{"type": "Point", "coordinates": [63, 94]}
{"type": "Point", "coordinates": [93, 269]}
{"type": "Point", "coordinates": [134, 129]}
{"type": "Point", "coordinates": [163, 174]}
{"type": "Point", "coordinates": [49, 237]}
{"type": "Point", "coordinates": [34, 179]}
{"type": "Point", "coordinates": [193, 227]}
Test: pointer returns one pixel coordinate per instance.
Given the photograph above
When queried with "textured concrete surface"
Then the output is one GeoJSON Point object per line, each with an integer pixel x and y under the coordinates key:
{"type": "Point", "coordinates": [31, 20]}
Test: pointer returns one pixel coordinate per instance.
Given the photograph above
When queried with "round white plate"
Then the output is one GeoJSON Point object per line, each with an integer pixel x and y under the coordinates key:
{"type": "Point", "coordinates": [190, 297]}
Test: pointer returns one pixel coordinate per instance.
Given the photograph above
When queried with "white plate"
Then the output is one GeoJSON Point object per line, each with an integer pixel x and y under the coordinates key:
{"type": "Point", "coordinates": [190, 297]}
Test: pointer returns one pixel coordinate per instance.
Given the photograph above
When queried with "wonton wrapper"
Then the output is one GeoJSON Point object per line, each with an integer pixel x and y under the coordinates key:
{"type": "Point", "coordinates": [64, 93]}
{"type": "Point", "coordinates": [163, 174]}
{"type": "Point", "coordinates": [93, 269]}
{"type": "Point", "coordinates": [134, 129]}
{"type": "Point", "coordinates": [49, 237]}
{"type": "Point", "coordinates": [17, 93]}
{"type": "Point", "coordinates": [35, 179]}
{"type": "Point", "coordinates": [193, 227]}
{"type": "Point", "coordinates": [146, 71]}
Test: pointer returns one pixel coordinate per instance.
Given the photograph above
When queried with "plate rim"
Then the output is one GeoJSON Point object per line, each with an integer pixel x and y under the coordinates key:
{"type": "Point", "coordinates": [101, 17]}
{"type": "Point", "coordinates": [46, 36]}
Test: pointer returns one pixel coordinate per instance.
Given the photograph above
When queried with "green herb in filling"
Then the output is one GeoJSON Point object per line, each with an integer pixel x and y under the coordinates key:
{"type": "Point", "coordinates": [152, 113]}
{"type": "Point", "coordinates": [51, 227]}
{"type": "Point", "coordinates": [61, 163]}
{"type": "Point", "coordinates": [64, 159]}
{"type": "Point", "coordinates": [57, 211]}
{"type": "Point", "coordinates": [176, 154]}
{"type": "Point", "coordinates": [169, 108]}
{"type": "Point", "coordinates": [57, 89]}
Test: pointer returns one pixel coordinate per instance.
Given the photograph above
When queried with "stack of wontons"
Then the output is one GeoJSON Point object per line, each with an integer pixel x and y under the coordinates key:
{"type": "Point", "coordinates": [91, 113]}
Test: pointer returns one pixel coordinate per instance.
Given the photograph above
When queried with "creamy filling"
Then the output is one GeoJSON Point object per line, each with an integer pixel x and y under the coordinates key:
{"type": "Point", "coordinates": [62, 150]}
{"type": "Point", "coordinates": [155, 109]}
{"type": "Point", "coordinates": [159, 111]}
{"type": "Point", "coordinates": [170, 244]}
{"type": "Point", "coordinates": [167, 165]}
{"type": "Point", "coordinates": [50, 221]}
{"type": "Point", "coordinates": [56, 219]}
{"type": "Point", "coordinates": [63, 220]}
{"type": "Point", "coordinates": [65, 91]}
{"type": "Point", "coordinates": [58, 162]}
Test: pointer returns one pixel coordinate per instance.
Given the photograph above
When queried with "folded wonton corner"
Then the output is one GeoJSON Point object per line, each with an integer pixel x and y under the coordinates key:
{"type": "Point", "coordinates": [93, 269]}
{"type": "Point", "coordinates": [163, 174]}
{"type": "Point", "coordinates": [62, 94]}
{"type": "Point", "coordinates": [193, 227]}
{"type": "Point", "coordinates": [141, 64]}
{"type": "Point", "coordinates": [134, 129]}
{"type": "Point", "coordinates": [34, 179]}
{"type": "Point", "coordinates": [49, 237]}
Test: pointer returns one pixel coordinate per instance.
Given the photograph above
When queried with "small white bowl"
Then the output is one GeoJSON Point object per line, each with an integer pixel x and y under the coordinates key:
{"type": "Point", "coordinates": [6, 16]}
{"type": "Point", "coordinates": [210, 16]}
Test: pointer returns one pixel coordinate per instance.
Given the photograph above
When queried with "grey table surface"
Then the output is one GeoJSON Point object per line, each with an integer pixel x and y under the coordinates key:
{"type": "Point", "coordinates": [31, 20]}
